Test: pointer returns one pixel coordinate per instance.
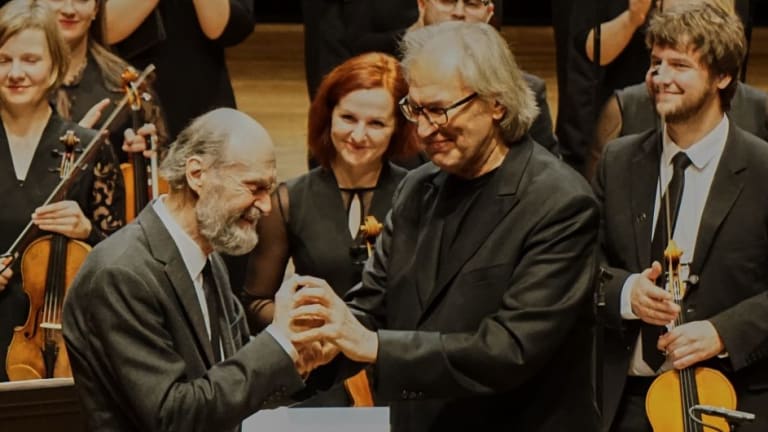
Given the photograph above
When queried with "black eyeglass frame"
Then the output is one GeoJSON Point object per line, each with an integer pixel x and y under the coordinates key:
{"type": "Point", "coordinates": [413, 112]}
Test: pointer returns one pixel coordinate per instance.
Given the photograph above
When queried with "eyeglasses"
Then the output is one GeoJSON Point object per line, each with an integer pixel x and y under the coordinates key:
{"type": "Point", "coordinates": [469, 5]}
{"type": "Point", "coordinates": [435, 115]}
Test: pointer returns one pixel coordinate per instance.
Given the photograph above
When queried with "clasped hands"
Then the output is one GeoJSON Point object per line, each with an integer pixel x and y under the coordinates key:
{"type": "Point", "coordinates": [320, 325]}
{"type": "Point", "coordinates": [686, 344]}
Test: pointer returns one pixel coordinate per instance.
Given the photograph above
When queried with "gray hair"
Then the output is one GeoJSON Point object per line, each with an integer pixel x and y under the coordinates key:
{"type": "Point", "coordinates": [486, 65]}
{"type": "Point", "coordinates": [203, 138]}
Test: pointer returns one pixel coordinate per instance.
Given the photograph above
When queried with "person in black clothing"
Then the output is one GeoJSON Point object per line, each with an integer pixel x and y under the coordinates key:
{"type": "Point", "coordinates": [185, 40]}
{"type": "Point", "coordinates": [33, 62]}
{"type": "Point", "coordinates": [93, 81]}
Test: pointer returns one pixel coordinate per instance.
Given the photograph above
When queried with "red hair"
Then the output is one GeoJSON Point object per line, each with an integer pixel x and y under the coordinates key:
{"type": "Point", "coordinates": [366, 71]}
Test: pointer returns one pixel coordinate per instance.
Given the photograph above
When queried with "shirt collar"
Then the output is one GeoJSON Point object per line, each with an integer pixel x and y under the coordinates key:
{"type": "Point", "coordinates": [703, 151]}
{"type": "Point", "coordinates": [193, 257]}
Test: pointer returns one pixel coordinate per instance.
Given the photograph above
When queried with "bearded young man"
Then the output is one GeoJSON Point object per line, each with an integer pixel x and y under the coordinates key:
{"type": "Point", "coordinates": [154, 345]}
{"type": "Point", "coordinates": [714, 208]}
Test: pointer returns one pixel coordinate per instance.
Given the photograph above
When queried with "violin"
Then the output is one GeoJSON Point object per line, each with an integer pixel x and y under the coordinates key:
{"type": "Point", "coordinates": [37, 348]}
{"type": "Point", "coordinates": [141, 181]}
{"type": "Point", "coordinates": [358, 386]}
{"type": "Point", "coordinates": [672, 395]}
{"type": "Point", "coordinates": [366, 238]}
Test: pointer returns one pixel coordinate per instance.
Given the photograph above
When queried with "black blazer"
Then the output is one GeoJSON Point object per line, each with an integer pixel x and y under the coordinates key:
{"type": "Point", "coordinates": [749, 110]}
{"type": "Point", "coordinates": [501, 339]}
{"type": "Point", "coordinates": [139, 348]}
{"type": "Point", "coordinates": [730, 259]}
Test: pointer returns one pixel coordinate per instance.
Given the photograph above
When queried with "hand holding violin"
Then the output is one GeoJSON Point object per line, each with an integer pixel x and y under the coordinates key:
{"type": "Point", "coordinates": [691, 343]}
{"type": "Point", "coordinates": [651, 303]}
{"type": "Point", "coordinates": [63, 217]}
{"type": "Point", "coordinates": [139, 140]}
{"type": "Point", "coordinates": [5, 275]}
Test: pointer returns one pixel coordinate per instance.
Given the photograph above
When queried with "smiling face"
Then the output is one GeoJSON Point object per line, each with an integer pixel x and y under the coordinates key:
{"type": "Point", "coordinates": [362, 124]}
{"type": "Point", "coordinates": [235, 192]}
{"type": "Point", "coordinates": [681, 86]}
{"type": "Point", "coordinates": [25, 69]}
{"type": "Point", "coordinates": [74, 18]}
{"type": "Point", "coordinates": [465, 144]}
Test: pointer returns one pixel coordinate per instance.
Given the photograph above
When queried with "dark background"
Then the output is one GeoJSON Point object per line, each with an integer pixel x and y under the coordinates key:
{"type": "Point", "coordinates": [516, 12]}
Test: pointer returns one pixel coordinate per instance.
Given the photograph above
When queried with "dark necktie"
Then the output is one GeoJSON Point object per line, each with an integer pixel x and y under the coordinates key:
{"type": "Point", "coordinates": [650, 333]}
{"type": "Point", "coordinates": [214, 309]}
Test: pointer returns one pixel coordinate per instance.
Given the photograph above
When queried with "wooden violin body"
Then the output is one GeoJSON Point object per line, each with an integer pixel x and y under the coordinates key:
{"type": "Point", "coordinates": [137, 188]}
{"type": "Point", "coordinates": [41, 334]}
{"type": "Point", "coordinates": [665, 402]}
{"type": "Point", "coordinates": [141, 183]}
{"type": "Point", "coordinates": [672, 394]}
{"type": "Point", "coordinates": [358, 387]}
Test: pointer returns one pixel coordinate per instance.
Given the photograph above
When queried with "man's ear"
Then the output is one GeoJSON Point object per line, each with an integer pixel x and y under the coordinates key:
{"type": "Point", "coordinates": [724, 81]}
{"type": "Point", "coordinates": [498, 110]}
{"type": "Point", "coordinates": [491, 10]}
{"type": "Point", "coordinates": [194, 173]}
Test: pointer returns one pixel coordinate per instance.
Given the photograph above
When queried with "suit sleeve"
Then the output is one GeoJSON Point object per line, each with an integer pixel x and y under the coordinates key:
{"type": "Point", "coordinates": [126, 327]}
{"type": "Point", "coordinates": [542, 129]}
{"type": "Point", "coordinates": [546, 295]}
{"type": "Point", "coordinates": [611, 316]}
{"type": "Point", "coordinates": [744, 331]}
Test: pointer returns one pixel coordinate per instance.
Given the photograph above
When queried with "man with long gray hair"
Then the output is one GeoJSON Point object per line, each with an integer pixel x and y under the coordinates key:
{"type": "Point", "coordinates": [474, 309]}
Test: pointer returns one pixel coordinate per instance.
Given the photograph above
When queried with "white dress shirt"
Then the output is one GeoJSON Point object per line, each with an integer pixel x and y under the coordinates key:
{"type": "Point", "coordinates": [194, 260]}
{"type": "Point", "coordinates": [705, 157]}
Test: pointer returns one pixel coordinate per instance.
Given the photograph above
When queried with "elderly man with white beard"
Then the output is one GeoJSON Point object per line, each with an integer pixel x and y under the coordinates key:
{"type": "Point", "coordinates": [154, 344]}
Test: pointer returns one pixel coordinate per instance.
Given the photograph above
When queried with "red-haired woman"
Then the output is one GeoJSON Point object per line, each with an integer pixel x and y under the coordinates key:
{"type": "Point", "coordinates": [355, 126]}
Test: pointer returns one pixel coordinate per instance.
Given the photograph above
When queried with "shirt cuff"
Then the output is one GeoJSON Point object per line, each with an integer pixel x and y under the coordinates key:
{"type": "Point", "coordinates": [626, 301]}
{"type": "Point", "coordinates": [281, 339]}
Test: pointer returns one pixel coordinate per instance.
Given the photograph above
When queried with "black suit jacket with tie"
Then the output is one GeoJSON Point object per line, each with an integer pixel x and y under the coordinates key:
{"type": "Point", "coordinates": [730, 259]}
{"type": "Point", "coordinates": [139, 349]}
{"type": "Point", "coordinates": [500, 340]}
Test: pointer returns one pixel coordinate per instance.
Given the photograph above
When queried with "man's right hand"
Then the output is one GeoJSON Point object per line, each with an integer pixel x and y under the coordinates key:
{"type": "Point", "coordinates": [6, 274]}
{"type": "Point", "coordinates": [651, 303]}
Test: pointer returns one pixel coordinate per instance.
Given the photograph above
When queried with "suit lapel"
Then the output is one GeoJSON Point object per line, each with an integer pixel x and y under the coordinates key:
{"type": "Point", "coordinates": [428, 241]}
{"type": "Point", "coordinates": [643, 184]}
{"type": "Point", "coordinates": [493, 204]}
{"type": "Point", "coordinates": [164, 249]}
{"type": "Point", "coordinates": [726, 187]}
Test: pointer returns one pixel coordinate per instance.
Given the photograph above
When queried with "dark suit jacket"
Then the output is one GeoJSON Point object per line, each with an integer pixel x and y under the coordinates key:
{"type": "Point", "coordinates": [749, 110]}
{"type": "Point", "coordinates": [730, 259]}
{"type": "Point", "coordinates": [542, 130]}
{"type": "Point", "coordinates": [501, 339]}
{"type": "Point", "coordinates": [139, 348]}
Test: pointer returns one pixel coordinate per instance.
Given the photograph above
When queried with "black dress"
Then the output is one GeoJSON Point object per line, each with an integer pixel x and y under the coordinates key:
{"type": "Point", "coordinates": [89, 88]}
{"type": "Point", "coordinates": [310, 226]}
{"type": "Point", "coordinates": [99, 192]}
{"type": "Point", "coordinates": [192, 76]}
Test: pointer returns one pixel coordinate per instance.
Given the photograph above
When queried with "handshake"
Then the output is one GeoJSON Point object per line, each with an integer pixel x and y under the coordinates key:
{"type": "Point", "coordinates": [320, 325]}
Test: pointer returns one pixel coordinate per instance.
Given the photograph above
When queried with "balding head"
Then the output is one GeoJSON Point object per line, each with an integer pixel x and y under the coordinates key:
{"type": "Point", "coordinates": [221, 170]}
{"type": "Point", "coordinates": [218, 137]}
